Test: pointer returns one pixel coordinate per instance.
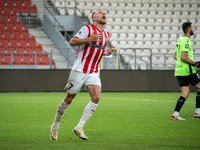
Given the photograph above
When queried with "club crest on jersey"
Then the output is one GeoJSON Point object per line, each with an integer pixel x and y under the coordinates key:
{"type": "Point", "coordinates": [186, 46]}
{"type": "Point", "coordinates": [96, 46]}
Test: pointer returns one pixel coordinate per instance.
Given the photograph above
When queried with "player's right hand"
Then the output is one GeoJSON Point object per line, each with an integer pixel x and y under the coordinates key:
{"type": "Point", "coordinates": [197, 64]}
{"type": "Point", "coordinates": [95, 37]}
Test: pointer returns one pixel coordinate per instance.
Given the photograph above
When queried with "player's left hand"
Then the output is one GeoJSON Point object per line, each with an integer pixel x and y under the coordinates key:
{"type": "Point", "coordinates": [109, 51]}
{"type": "Point", "coordinates": [197, 64]}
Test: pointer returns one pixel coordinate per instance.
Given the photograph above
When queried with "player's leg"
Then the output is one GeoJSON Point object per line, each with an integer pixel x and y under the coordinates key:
{"type": "Point", "coordinates": [73, 86]}
{"type": "Point", "coordinates": [94, 91]}
{"type": "Point", "coordinates": [180, 102]}
{"type": "Point", "coordinates": [62, 107]}
{"type": "Point", "coordinates": [184, 86]}
{"type": "Point", "coordinates": [185, 93]}
{"type": "Point", "coordinates": [197, 112]}
{"type": "Point", "coordinates": [93, 84]}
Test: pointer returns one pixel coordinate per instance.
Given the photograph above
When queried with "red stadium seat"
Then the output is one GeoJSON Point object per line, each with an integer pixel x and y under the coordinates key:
{"type": "Point", "coordinates": [2, 48]}
{"type": "Point", "coordinates": [9, 25]}
{"type": "Point", "coordinates": [16, 10]}
{"type": "Point", "coordinates": [13, 41]}
{"type": "Point", "coordinates": [22, 41]}
{"type": "Point", "coordinates": [31, 40]}
{"type": "Point", "coordinates": [9, 3]}
{"type": "Point", "coordinates": [7, 33]}
{"type": "Point", "coordinates": [4, 41]}
{"type": "Point", "coordinates": [43, 59]}
{"type": "Point", "coordinates": [2, 3]}
{"type": "Point", "coordinates": [4, 17]}
{"type": "Point", "coordinates": [18, 3]}
{"type": "Point", "coordinates": [12, 17]}
{"type": "Point", "coordinates": [19, 48]}
{"type": "Point", "coordinates": [26, 2]}
{"type": "Point", "coordinates": [24, 11]}
{"type": "Point", "coordinates": [25, 60]}
{"type": "Point", "coordinates": [32, 59]}
{"type": "Point", "coordinates": [16, 59]}
{"type": "Point", "coordinates": [6, 10]}
{"type": "Point", "coordinates": [24, 32]}
{"type": "Point", "coordinates": [2, 25]}
{"type": "Point", "coordinates": [16, 33]}
{"type": "Point", "coordinates": [38, 48]}
{"type": "Point", "coordinates": [19, 24]}
{"type": "Point", "coordinates": [10, 48]}
{"type": "Point", "coordinates": [6, 59]}
{"type": "Point", "coordinates": [33, 10]}
{"type": "Point", "coordinates": [29, 49]}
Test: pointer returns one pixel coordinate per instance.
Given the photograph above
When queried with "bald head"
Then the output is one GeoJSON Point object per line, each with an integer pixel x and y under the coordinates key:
{"type": "Point", "coordinates": [99, 16]}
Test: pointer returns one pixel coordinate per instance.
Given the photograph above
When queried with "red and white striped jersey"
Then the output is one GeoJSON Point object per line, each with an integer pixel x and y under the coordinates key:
{"type": "Point", "coordinates": [89, 55]}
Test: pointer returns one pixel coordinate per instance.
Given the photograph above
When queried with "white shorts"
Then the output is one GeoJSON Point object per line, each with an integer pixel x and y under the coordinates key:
{"type": "Point", "coordinates": [78, 79]}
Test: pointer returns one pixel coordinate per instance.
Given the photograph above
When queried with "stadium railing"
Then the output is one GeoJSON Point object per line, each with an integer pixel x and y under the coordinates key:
{"type": "Point", "coordinates": [66, 35]}
{"type": "Point", "coordinates": [33, 63]}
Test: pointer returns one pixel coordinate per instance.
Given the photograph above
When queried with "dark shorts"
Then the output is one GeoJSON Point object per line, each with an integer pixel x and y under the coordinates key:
{"type": "Point", "coordinates": [192, 79]}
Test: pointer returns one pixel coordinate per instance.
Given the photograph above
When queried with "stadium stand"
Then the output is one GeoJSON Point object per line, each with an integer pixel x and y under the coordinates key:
{"type": "Point", "coordinates": [17, 46]}
{"type": "Point", "coordinates": [149, 24]}
{"type": "Point", "coordinates": [138, 24]}
{"type": "Point", "coordinates": [146, 24]}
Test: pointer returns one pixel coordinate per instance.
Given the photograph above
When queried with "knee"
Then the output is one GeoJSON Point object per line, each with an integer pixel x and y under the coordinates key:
{"type": "Point", "coordinates": [95, 98]}
{"type": "Point", "coordinates": [186, 95]}
{"type": "Point", "coordinates": [68, 98]}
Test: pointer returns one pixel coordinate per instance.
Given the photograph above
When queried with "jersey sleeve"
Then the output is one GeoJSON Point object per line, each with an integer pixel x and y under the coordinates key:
{"type": "Point", "coordinates": [82, 33]}
{"type": "Point", "coordinates": [185, 45]}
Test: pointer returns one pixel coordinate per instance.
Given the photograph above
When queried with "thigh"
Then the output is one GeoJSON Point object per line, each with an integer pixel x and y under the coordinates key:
{"type": "Point", "coordinates": [75, 82]}
{"type": "Point", "coordinates": [93, 84]}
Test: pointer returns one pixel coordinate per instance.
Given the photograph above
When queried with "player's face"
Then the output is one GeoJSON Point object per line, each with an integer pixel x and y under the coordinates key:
{"type": "Point", "coordinates": [101, 17]}
{"type": "Point", "coordinates": [192, 30]}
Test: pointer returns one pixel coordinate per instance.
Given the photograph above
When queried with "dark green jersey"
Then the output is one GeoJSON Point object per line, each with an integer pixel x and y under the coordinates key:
{"type": "Point", "coordinates": [183, 68]}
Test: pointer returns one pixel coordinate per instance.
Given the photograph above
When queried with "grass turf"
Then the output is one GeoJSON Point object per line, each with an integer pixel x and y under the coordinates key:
{"type": "Point", "coordinates": [122, 121]}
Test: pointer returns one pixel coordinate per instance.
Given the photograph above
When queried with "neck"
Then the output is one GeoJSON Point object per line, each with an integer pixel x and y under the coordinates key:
{"type": "Point", "coordinates": [99, 26]}
{"type": "Point", "coordinates": [187, 34]}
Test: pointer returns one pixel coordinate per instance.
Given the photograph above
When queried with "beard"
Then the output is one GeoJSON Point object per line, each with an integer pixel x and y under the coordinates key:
{"type": "Point", "coordinates": [101, 22]}
{"type": "Point", "coordinates": [191, 33]}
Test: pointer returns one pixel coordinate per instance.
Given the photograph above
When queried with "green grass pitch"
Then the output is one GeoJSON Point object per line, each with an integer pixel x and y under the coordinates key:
{"type": "Point", "coordinates": [122, 121]}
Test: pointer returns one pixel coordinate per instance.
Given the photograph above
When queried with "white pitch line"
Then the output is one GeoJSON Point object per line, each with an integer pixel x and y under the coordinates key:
{"type": "Point", "coordinates": [148, 100]}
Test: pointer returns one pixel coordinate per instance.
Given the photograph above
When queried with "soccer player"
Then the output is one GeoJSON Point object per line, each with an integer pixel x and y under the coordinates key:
{"type": "Point", "coordinates": [185, 71]}
{"type": "Point", "coordinates": [92, 40]}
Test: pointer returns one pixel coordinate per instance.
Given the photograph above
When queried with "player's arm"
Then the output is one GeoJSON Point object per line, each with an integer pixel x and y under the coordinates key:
{"type": "Point", "coordinates": [108, 52]}
{"type": "Point", "coordinates": [92, 38]}
{"type": "Point", "coordinates": [185, 58]}
{"type": "Point", "coordinates": [175, 55]}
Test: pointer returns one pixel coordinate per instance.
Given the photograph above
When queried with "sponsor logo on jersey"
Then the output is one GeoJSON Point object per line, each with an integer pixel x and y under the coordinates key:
{"type": "Point", "coordinates": [96, 46]}
{"type": "Point", "coordinates": [187, 46]}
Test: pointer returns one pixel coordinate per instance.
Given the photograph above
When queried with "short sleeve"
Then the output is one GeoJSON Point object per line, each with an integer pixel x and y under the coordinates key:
{"type": "Point", "coordinates": [186, 45]}
{"type": "Point", "coordinates": [82, 33]}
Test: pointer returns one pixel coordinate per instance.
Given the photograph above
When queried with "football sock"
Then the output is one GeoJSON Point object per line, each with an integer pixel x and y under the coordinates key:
{"type": "Point", "coordinates": [198, 110]}
{"type": "Point", "coordinates": [179, 103]}
{"type": "Point", "coordinates": [88, 111]}
{"type": "Point", "coordinates": [176, 113]}
{"type": "Point", "coordinates": [62, 107]}
{"type": "Point", "coordinates": [198, 102]}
